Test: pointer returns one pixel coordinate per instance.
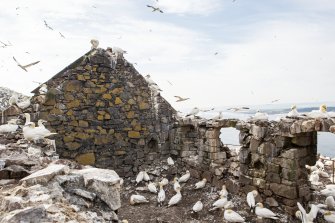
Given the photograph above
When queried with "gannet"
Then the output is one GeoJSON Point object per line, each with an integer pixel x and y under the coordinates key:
{"type": "Point", "coordinates": [139, 177]}
{"type": "Point", "coordinates": [311, 215]}
{"type": "Point", "coordinates": [231, 216]}
{"type": "Point", "coordinates": [197, 206]}
{"type": "Point", "coordinates": [11, 126]}
{"type": "Point", "coordinates": [298, 215]}
{"type": "Point", "coordinates": [218, 117]}
{"type": "Point", "coordinates": [175, 199]}
{"type": "Point", "coordinates": [330, 202]}
{"type": "Point", "coordinates": [194, 112]}
{"type": "Point", "coordinates": [311, 168]}
{"type": "Point", "coordinates": [146, 176]}
{"type": "Point", "coordinates": [179, 99]}
{"type": "Point", "coordinates": [170, 161]}
{"type": "Point", "coordinates": [321, 113]}
{"type": "Point", "coordinates": [322, 173]}
{"type": "Point", "coordinates": [152, 187]}
{"type": "Point", "coordinates": [223, 192]}
{"type": "Point", "coordinates": [161, 195]}
{"type": "Point", "coordinates": [263, 212]}
{"type": "Point", "coordinates": [328, 192]}
{"type": "Point", "coordinates": [149, 80]}
{"type": "Point", "coordinates": [314, 177]}
{"type": "Point", "coordinates": [24, 67]}
{"type": "Point", "coordinates": [95, 44]}
{"type": "Point", "coordinates": [176, 184]}
{"type": "Point", "coordinates": [260, 116]}
{"type": "Point", "coordinates": [185, 177]}
{"type": "Point", "coordinates": [13, 99]}
{"type": "Point", "coordinates": [24, 104]}
{"type": "Point", "coordinates": [219, 203]}
{"type": "Point", "coordinates": [137, 199]}
{"type": "Point", "coordinates": [43, 89]}
{"type": "Point", "coordinates": [32, 133]}
{"type": "Point", "coordinates": [200, 184]}
{"type": "Point", "coordinates": [293, 113]}
{"type": "Point", "coordinates": [27, 117]}
{"type": "Point", "coordinates": [164, 182]}
{"type": "Point", "coordinates": [330, 186]}
{"type": "Point", "coordinates": [320, 164]}
{"type": "Point", "coordinates": [251, 199]}
{"type": "Point", "coordinates": [329, 217]}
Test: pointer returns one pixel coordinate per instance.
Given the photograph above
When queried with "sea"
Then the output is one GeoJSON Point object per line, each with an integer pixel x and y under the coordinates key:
{"type": "Point", "coordinates": [229, 136]}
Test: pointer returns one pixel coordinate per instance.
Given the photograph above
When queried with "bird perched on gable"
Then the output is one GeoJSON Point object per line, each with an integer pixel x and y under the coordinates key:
{"type": "Point", "coordinates": [193, 112]}
{"type": "Point", "coordinates": [294, 112]}
{"type": "Point", "coordinates": [43, 89]}
{"type": "Point", "coordinates": [95, 44]}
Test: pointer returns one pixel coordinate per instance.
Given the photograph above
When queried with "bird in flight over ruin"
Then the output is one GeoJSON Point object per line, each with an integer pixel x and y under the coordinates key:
{"type": "Point", "coordinates": [154, 9]}
{"type": "Point", "coordinates": [237, 109]}
{"type": "Point", "coordinates": [179, 99]}
{"type": "Point", "coordinates": [61, 35]}
{"type": "Point", "coordinates": [5, 44]}
{"type": "Point", "coordinates": [273, 101]}
{"type": "Point", "coordinates": [23, 67]}
{"type": "Point", "coordinates": [46, 25]}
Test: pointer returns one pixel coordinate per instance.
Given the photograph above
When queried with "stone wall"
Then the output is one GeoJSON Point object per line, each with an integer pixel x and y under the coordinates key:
{"type": "Point", "coordinates": [105, 114]}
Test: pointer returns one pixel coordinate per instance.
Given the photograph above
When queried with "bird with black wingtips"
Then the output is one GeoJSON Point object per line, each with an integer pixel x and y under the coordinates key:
{"type": "Point", "coordinates": [155, 9]}
{"type": "Point", "coordinates": [24, 67]}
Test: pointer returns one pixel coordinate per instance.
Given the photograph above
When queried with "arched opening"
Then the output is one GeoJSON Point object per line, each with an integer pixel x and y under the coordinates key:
{"type": "Point", "coordinates": [326, 144]}
{"type": "Point", "coordinates": [153, 146]}
{"type": "Point", "coordinates": [230, 136]}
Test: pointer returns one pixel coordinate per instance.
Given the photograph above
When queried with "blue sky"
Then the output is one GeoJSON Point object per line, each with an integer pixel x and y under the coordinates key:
{"type": "Point", "coordinates": [266, 50]}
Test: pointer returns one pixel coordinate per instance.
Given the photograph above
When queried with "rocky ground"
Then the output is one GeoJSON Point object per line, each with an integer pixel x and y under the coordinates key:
{"type": "Point", "coordinates": [5, 94]}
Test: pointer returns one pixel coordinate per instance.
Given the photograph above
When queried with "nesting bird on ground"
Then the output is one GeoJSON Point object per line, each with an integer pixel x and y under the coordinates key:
{"type": "Point", "coordinates": [95, 44]}
{"type": "Point", "coordinates": [146, 176]}
{"type": "Point", "coordinates": [175, 199]}
{"type": "Point", "coordinates": [170, 161]}
{"type": "Point", "coordinates": [294, 112]}
{"type": "Point", "coordinates": [24, 104]}
{"type": "Point", "coordinates": [139, 177]}
{"type": "Point", "coordinates": [180, 99]}
{"type": "Point", "coordinates": [32, 133]}
{"type": "Point", "coordinates": [194, 112]}
{"type": "Point", "coordinates": [218, 117]}
{"type": "Point", "coordinates": [137, 199]}
{"type": "Point", "coordinates": [223, 192]}
{"type": "Point", "coordinates": [152, 187]}
{"type": "Point", "coordinates": [200, 184]}
{"type": "Point", "coordinates": [311, 215]}
{"type": "Point", "coordinates": [314, 178]}
{"type": "Point", "coordinates": [330, 202]}
{"type": "Point", "coordinates": [185, 177]}
{"type": "Point", "coordinates": [220, 203]}
{"type": "Point", "coordinates": [260, 116]}
{"type": "Point", "coordinates": [232, 216]}
{"type": "Point", "coordinates": [322, 173]}
{"type": "Point", "coordinates": [251, 199]}
{"type": "Point", "coordinates": [263, 212]}
{"type": "Point", "coordinates": [161, 195]}
{"type": "Point", "coordinates": [321, 113]}
{"type": "Point", "coordinates": [329, 216]}
{"type": "Point", "coordinates": [328, 192]}
{"type": "Point", "coordinates": [164, 182]}
{"type": "Point", "coordinates": [197, 206]}
{"type": "Point", "coordinates": [13, 99]}
{"type": "Point", "coordinates": [176, 184]}
{"type": "Point", "coordinates": [11, 126]}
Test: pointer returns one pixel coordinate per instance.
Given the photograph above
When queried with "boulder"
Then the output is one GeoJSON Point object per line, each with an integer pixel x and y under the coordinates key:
{"type": "Point", "coordinates": [29, 214]}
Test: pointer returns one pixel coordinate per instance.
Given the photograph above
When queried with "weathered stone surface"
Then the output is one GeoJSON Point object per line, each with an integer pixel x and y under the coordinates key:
{"type": "Point", "coordinates": [257, 131]}
{"type": "Point", "coordinates": [271, 202]}
{"type": "Point", "coordinates": [45, 175]}
{"type": "Point", "coordinates": [86, 159]}
{"type": "Point", "coordinates": [29, 214]}
{"type": "Point", "coordinates": [11, 203]}
{"type": "Point", "coordinates": [284, 191]}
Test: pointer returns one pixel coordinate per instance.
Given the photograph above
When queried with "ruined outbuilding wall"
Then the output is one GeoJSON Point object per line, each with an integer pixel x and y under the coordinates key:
{"type": "Point", "coordinates": [106, 115]}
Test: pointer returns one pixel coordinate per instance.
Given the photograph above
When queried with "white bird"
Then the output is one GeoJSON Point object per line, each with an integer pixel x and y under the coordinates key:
{"type": "Point", "coordinates": [149, 80]}
{"type": "Point", "coordinates": [328, 192]}
{"type": "Point", "coordinates": [175, 199]}
{"type": "Point", "coordinates": [164, 182]}
{"type": "Point", "coordinates": [24, 67]}
{"type": "Point", "coordinates": [251, 199]}
{"type": "Point", "coordinates": [218, 117]}
{"type": "Point", "coordinates": [185, 177]}
{"type": "Point", "coordinates": [32, 133]}
{"type": "Point", "coordinates": [314, 177]}
{"type": "Point", "coordinates": [223, 192]}
{"type": "Point", "coordinates": [323, 174]}
{"type": "Point", "coordinates": [139, 177]}
{"type": "Point", "coordinates": [298, 215]}
{"type": "Point", "coordinates": [294, 112]}
{"type": "Point", "coordinates": [27, 117]}
{"type": "Point", "coordinates": [220, 203]}
{"type": "Point", "coordinates": [197, 206]}
{"type": "Point", "coordinates": [308, 218]}
{"type": "Point", "coordinates": [263, 212]}
{"type": "Point", "coordinates": [320, 164]}
{"type": "Point", "coordinates": [43, 89]}
{"type": "Point", "coordinates": [161, 195]}
{"type": "Point", "coordinates": [137, 199]}
{"type": "Point", "coordinates": [260, 116]}
{"type": "Point", "coordinates": [231, 216]}
{"type": "Point", "coordinates": [118, 51]}
{"type": "Point", "coordinates": [200, 184]}
{"type": "Point", "coordinates": [24, 104]}
{"type": "Point", "coordinates": [180, 99]}
{"type": "Point", "coordinates": [95, 44]}
{"type": "Point", "coordinates": [152, 187]}
{"type": "Point", "coordinates": [176, 184]}
{"type": "Point", "coordinates": [311, 168]}
{"type": "Point", "coordinates": [330, 186]}
{"type": "Point", "coordinates": [329, 216]}
{"type": "Point", "coordinates": [330, 202]}
{"type": "Point", "coordinates": [146, 176]}
{"type": "Point", "coordinates": [321, 113]}
{"type": "Point", "coordinates": [193, 112]}
{"type": "Point", "coordinates": [11, 126]}
{"type": "Point", "coordinates": [13, 99]}
{"type": "Point", "coordinates": [170, 161]}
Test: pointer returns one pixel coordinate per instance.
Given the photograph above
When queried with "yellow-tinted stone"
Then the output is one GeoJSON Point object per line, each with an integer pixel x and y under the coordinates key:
{"type": "Point", "coordinates": [107, 96]}
{"type": "Point", "coordinates": [100, 117]}
{"type": "Point", "coordinates": [120, 152]}
{"type": "Point", "coordinates": [87, 90]}
{"type": "Point", "coordinates": [107, 116]}
{"type": "Point", "coordinates": [72, 145]}
{"type": "Point", "coordinates": [134, 134]}
{"type": "Point", "coordinates": [56, 111]}
{"type": "Point", "coordinates": [86, 159]}
{"type": "Point", "coordinates": [144, 106]}
{"type": "Point", "coordinates": [88, 67]}
{"type": "Point", "coordinates": [102, 140]}
{"type": "Point", "coordinates": [131, 101]}
{"type": "Point", "coordinates": [101, 112]}
{"type": "Point", "coordinates": [110, 104]}
{"type": "Point", "coordinates": [80, 77]}
{"type": "Point", "coordinates": [73, 123]}
{"type": "Point", "coordinates": [114, 81]}
{"type": "Point", "coordinates": [100, 104]}
{"type": "Point", "coordinates": [73, 104]}
{"type": "Point", "coordinates": [95, 68]}
{"type": "Point", "coordinates": [90, 130]}
{"type": "Point", "coordinates": [83, 123]}
{"type": "Point", "coordinates": [130, 114]}
{"type": "Point", "coordinates": [82, 135]}
{"type": "Point", "coordinates": [134, 122]}
{"type": "Point", "coordinates": [118, 101]}
{"type": "Point", "coordinates": [117, 90]}
{"type": "Point", "coordinates": [138, 127]}
{"type": "Point", "coordinates": [72, 86]}
{"type": "Point", "coordinates": [111, 132]}
{"type": "Point", "coordinates": [118, 136]}
{"type": "Point", "coordinates": [68, 138]}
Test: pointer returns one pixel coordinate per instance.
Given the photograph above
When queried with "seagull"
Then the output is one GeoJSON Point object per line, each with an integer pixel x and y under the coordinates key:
{"type": "Point", "coordinates": [251, 199]}
{"type": "Point", "coordinates": [194, 112]}
{"type": "Point", "coordinates": [170, 161]}
{"type": "Point", "coordinates": [46, 25]}
{"type": "Point", "coordinates": [180, 99]}
{"type": "Point", "coordinates": [25, 66]}
{"type": "Point", "coordinates": [262, 212]}
{"type": "Point", "coordinates": [231, 216]}
{"type": "Point", "coordinates": [61, 35]}
{"type": "Point", "coordinates": [11, 126]}
{"type": "Point", "coordinates": [235, 109]}
{"type": "Point", "coordinates": [155, 8]}
{"type": "Point", "coordinates": [216, 53]}
{"type": "Point", "coordinates": [185, 177]}
{"type": "Point", "coordinates": [139, 177]}
{"type": "Point", "coordinates": [5, 44]}
{"type": "Point", "coordinates": [152, 188]}
{"type": "Point", "coordinates": [175, 199]}
{"type": "Point", "coordinates": [161, 194]}
{"type": "Point", "coordinates": [314, 177]}
{"type": "Point", "coordinates": [200, 184]}
{"type": "Point", "coordinates": [197, 206]}
{"type": "Point", "coordinates": [137, 199]}
{"type": "Point", "coordinates": [293, 113]}
{"type": "Point", "coordinates": [95, 44]}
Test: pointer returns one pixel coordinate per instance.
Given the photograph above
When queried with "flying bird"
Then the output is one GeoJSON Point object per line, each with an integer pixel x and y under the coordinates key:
{"type": "Point", "coordinates": [207, 110]}
{"type": "Point", "coordinates": [46, 25]}
{"type": "Point", "coordinates": [235, 109]}
{"type": "Point", "coordinates": [216, 53]}
{"type": "Point", "coordinates": [61, 35]}
{"type": "Point", "coordinates": [25, 66]}
{"type": "Point", "coordinates": [179, 99]}
{"type": "Point", "coordinates": [169, 82]}
{"type": "Point", "coordinates": [273, 101]}
{"type": "Point", "coordinates": [154, 9]}
{"type": "Point", "coordinates": [5, 44]}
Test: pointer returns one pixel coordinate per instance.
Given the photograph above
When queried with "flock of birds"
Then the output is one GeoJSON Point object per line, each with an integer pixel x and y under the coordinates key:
{"type": "Point", "coordinates": [178, 183]}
